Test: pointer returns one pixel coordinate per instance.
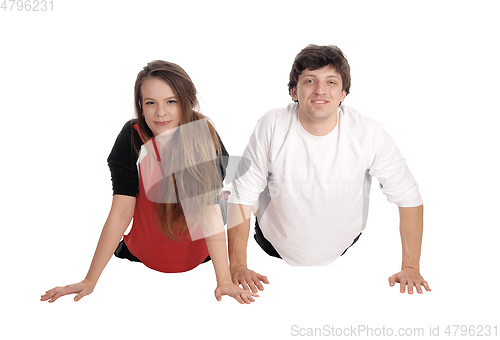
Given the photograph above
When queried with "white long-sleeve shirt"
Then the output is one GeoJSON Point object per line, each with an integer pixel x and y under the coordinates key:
{"type": "Point", "coordinates": [313, 191]}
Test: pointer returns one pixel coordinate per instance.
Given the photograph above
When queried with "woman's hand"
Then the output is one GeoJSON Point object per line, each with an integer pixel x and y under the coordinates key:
{"type": "Point", "coordinates": [120, 215]}
{"type": "Point", "coordinates": [229, 288]}
{"type": "Point", "coordinates": [81, 289]}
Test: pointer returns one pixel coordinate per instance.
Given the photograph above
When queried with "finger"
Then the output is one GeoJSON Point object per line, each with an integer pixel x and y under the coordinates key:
{"type": "Point", "coordinates": [402, 286]}
{"type": "Point", "coordinates": [419, 288]}
{"type": "Point", "coordinates": [259, 285]}
{"type": "Point", "coordinates": [392, 280]}
{"type": "Point", "coordinates": [426, 286]}
{"type": "Point", "coordinates": [248, 294]}
{"type": "Point", "coordinates": [49, 291]}
{"type": "Point", "coordinates": [55, 297]}
{"type": "Point", "coordinates": [53, 290]}
{"type": "Point", "coordinates": [253, 287]}
{"type": "Point", "coordinates": [245, 298]}
{"type": "Point", "coordinates": [253, 294]}
{"type": "Point", "coordinates": [258, 282]}
{"type": "Point", "coordinates": [46, 296]}
{"type": "Point", "coordinates": [410, 287]}
{"type": "Point", "coordinates": [79, 296]}
{"type": "Point", "coordinates": [263, 279]}
{"type": "Point", "coordinates": [239, 299]}
{"type": "Point", "coordinates": [250, 298]}
{"type": "Point", "coordinates": [218, 294]}
{"type": "Point", "coordinates": [52, 296]}
{"type": "Point", "coordinates": [244, 285]}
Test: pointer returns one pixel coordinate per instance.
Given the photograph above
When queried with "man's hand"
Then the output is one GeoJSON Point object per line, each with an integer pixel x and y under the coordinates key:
{"type": "Point", "coordinates": [248, 279]}
{"type": "Point", "coordinates": [409, 277]}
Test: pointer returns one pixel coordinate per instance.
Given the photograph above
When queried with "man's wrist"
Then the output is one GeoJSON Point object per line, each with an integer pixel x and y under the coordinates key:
{"type": "Point", "coordinates": [237, 266]}
{"type": "Point", "coordinates": [410, 266]}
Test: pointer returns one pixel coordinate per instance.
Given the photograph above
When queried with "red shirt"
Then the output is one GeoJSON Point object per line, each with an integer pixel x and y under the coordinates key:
{"type": "Point", "coordinates": [156, 251]}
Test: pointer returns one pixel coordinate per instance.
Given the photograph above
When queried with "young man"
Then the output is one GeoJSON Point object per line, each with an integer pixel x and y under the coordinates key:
{"type": "Point", "coordinates": [310, 172]}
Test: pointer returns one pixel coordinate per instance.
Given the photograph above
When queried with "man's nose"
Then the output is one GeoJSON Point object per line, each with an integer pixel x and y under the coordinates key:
{"type": "Point", "coordinates": [320, 88]}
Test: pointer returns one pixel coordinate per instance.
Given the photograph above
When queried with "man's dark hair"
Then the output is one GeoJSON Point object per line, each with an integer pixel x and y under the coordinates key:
{"type": "Point", "coordinates": [314, 57]}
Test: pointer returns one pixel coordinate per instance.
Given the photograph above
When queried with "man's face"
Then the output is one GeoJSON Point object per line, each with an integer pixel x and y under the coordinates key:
{"type": "Point", "coordinates": [319, 93]}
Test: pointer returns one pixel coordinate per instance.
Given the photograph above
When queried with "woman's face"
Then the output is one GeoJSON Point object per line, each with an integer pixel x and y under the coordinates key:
{"type": "Point", "coordinates": [160, 106]}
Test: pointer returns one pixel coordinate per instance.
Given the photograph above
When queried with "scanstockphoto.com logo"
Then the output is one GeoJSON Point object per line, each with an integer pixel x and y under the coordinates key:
{"type": "Point", "coordinates": [354, 331]}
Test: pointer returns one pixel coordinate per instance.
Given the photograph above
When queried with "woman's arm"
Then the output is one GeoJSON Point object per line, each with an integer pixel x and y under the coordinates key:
{"type": "Point", "coordinates": [120, 215]}
{"type": "Point", "coordinates": [216, 244]}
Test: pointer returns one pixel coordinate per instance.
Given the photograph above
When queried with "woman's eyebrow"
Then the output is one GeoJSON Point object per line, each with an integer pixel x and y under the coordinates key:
{"type": "Point", "coordinates": [171, 97]}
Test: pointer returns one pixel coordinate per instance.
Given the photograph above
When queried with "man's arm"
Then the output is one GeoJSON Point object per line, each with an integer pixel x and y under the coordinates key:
{"type": "Point", "coordinates": [411, 229]}
{"type": "Point", "coordinates": [238, 229]}
{"type": "Point", "coordinates": [250, 180]}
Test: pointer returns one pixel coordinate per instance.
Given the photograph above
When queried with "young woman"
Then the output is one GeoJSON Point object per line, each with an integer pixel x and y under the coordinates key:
{"type": "Point", "coordinates": [166, 165]}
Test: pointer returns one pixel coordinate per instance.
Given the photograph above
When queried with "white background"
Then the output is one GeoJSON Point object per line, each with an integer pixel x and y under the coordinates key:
{"type": "Point", "coordinates": [427, 70]}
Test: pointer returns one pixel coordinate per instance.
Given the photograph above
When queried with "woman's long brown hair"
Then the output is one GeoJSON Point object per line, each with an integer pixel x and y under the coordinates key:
{"type": "Point", "coordinates": [197, 182]}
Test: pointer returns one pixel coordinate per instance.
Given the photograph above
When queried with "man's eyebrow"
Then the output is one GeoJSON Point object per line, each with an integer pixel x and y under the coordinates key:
{"type": "Point", "coordinates": [314, 76]}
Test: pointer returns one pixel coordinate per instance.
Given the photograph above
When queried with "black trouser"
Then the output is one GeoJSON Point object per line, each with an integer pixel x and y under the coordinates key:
{"type": "Point", "coordinates": [269, 248]}
{"type": "Point", "coordinates": [122, 252]}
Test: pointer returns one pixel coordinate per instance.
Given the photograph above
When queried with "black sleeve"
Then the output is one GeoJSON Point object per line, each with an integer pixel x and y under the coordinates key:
{"type": "Point", "coordinates": [222, 161]}
{"type": "Point", "coordinates": [122, 163]}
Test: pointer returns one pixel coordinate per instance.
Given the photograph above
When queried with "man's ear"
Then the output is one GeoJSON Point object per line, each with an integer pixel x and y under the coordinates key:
{"type": "Point", "coordinates": [344, 94]}
{"type": "Point", "coordinates": [293, 93]}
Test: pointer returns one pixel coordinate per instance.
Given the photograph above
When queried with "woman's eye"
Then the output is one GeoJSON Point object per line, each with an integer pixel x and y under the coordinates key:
{"type": "Point", "coordinates": [171, 102]}
{"type": "Point", "coordinates": [149, 103]}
